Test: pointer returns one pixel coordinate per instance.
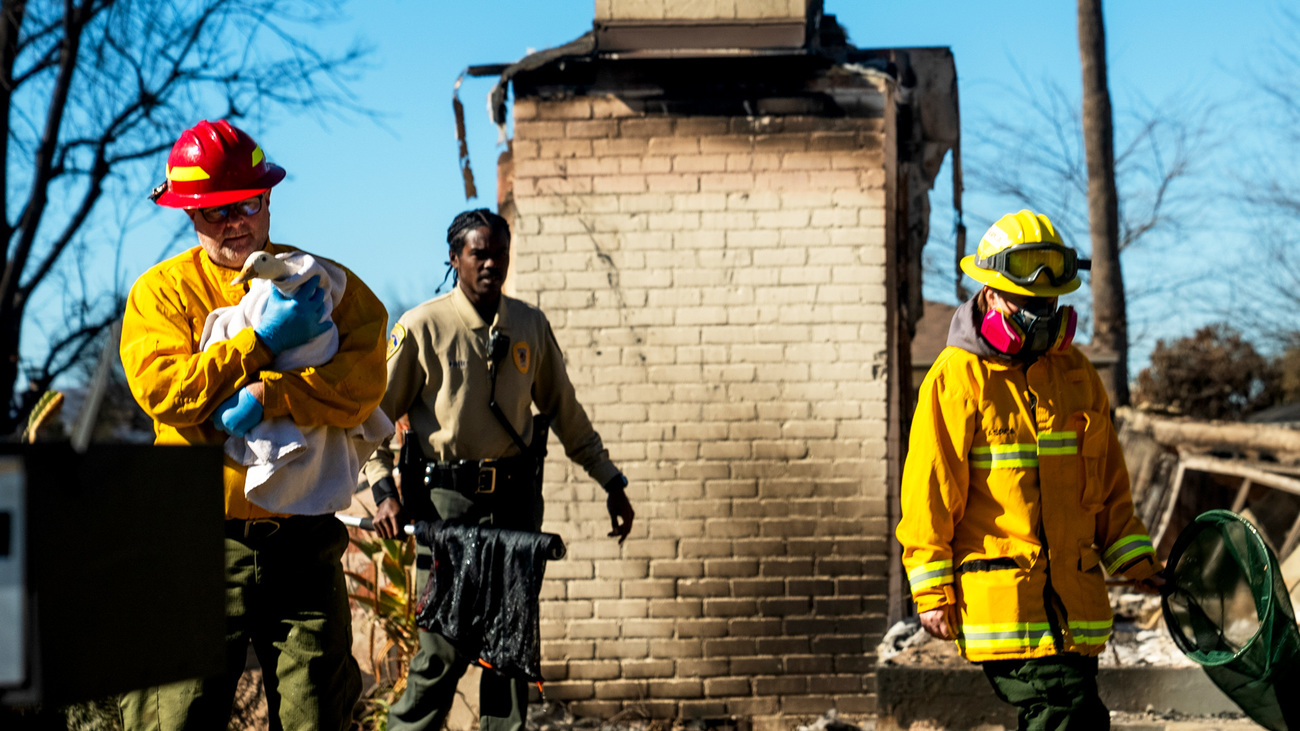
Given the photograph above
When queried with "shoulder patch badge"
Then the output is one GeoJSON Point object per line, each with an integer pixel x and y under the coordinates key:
{"type": "Point", "coordinates": [521, 356]}
{"type": "Point", "coordinates": [395, 339]}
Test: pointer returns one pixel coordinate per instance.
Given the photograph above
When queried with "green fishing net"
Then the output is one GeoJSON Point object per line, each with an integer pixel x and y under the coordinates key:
{"type": "Point", "coordinates": [1227, 608]}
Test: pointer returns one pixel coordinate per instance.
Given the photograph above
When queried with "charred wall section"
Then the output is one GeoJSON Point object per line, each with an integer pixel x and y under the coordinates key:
{"type": "Point", "coordinates": [719, 247]}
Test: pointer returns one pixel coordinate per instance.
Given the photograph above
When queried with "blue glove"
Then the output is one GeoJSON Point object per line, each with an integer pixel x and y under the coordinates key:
{"type": "Point", "coordinates": [238, 414]}
{"type": "Point", "coordinates": [288, 322]}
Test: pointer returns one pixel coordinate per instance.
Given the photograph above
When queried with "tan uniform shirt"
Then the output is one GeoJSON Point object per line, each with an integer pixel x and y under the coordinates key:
{"type": "Point", "coordinates": [438, 376]}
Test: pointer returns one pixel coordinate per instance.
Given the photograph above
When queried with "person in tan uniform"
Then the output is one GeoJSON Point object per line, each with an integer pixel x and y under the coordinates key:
{"type": "Point", "coordinates": [466, 368]}
{"type": "Point", "coordinates": [284, 581]}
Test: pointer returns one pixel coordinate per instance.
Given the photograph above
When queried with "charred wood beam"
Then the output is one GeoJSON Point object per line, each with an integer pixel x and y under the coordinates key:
{"type": "Point", "coordinates": [1252, 476]}
{"type": "Point", "coordinates": [1175, 487]}
{"type": "Point", "coordinates": [1256, 476]}
{"type": "Point", "coordinates": [1187, 433]}
{"type": "Point", "coordinates": [1292, 537]}
{"type": "Point", "coordinates": [1243, 494]}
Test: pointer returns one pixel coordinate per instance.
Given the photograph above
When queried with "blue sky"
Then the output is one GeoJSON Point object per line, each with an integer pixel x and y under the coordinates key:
{"type": "Point", "coordinates": [377, 196]}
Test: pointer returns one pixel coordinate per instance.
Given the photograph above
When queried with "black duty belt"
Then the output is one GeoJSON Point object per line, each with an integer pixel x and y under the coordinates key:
{"type": "Point", "coordinates": [479, 479]}
{"type": "Point", "coordinates": [263, 528]}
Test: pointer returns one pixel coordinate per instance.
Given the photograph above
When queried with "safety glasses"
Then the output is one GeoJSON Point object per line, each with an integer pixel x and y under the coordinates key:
{"type": "Point", "coordinates": [1024, 264]}
{"type": "Point", "coordinates": [218, 214]}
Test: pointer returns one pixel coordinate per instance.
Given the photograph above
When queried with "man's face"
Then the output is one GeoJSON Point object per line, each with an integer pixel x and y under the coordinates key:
{"type": "Point", "coordinates": [482, 263]}
{"type": "Point", "coordinates": [229, 241]}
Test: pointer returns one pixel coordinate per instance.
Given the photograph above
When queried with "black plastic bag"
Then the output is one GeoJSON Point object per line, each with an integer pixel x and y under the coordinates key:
{"type": "Point", "coordinates": [483, 591]}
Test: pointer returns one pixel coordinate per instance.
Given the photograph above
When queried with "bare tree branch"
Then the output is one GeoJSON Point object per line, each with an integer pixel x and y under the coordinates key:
{"type": "Point", "coordinates": [77, 342]}
{"type": "Point", "coordinates": [1266, 279]}
{"type": "Point", "coordinates": [1158, 172]}
{"type": "Point", "coordinates": [107, 85]}
{"type": "Point", "coordinates": [73, 23]}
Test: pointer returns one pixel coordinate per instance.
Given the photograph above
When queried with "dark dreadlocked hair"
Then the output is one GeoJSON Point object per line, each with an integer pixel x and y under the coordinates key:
{"type": "Point", "coordinates": [461, 225]}
{"type": "Point", "coordinates": [465, 222]}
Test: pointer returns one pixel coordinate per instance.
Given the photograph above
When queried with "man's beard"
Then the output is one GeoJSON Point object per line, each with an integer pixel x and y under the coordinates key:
{"type": "Point", "coordinates": [237, 255]}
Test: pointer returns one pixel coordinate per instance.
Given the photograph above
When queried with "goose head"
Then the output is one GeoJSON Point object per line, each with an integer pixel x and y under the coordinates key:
{"type": "Point", "coordinates": [262, 265]}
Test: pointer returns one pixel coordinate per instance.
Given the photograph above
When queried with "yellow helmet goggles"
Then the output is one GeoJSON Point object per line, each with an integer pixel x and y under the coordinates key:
{"type": "Point", "coordinates": [1025, 263]}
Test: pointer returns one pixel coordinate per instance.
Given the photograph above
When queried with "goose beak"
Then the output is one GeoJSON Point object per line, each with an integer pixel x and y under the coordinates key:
{"type": "Point", "coordinates": [244, 276]}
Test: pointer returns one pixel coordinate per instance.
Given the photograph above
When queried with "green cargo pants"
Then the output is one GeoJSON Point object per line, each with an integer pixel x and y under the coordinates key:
{"type": "Point", "coordinates": [431, 688]}
{"type": "Point", "coordinates": [1057, 693]}
{"type": "Point", "coordinates": [285, 594]}
{"type": "Point", "coordinates": [438, 666]}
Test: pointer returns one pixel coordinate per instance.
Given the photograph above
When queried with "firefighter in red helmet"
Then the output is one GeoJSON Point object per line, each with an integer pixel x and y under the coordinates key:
{"type": "Point", "coordinates": [285, 590]}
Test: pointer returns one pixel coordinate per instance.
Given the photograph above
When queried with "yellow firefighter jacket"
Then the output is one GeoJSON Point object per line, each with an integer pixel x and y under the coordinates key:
{"type": "Point", "coordinates": [1014, 498]}
{"type": "Point", "coordinates": [179, 386]}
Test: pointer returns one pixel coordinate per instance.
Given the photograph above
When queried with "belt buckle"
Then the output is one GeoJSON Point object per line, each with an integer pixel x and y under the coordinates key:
{"type": "Point", "coordinates": [273, 523]}
{"type": "Point", "coordinates": [491, 487]}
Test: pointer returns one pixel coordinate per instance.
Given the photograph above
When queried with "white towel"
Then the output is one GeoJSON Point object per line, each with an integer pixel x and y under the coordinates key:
{"type": "Point", "coordinates": [299, 471]}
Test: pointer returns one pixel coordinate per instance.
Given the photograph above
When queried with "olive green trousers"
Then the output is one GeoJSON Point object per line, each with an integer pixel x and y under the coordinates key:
{"type": "Point", "coordinates": [431, 689]}
{"type": "Point", "coordinates": [1057, 693]}
{"type": "Point", "coordinates": [285, 594]}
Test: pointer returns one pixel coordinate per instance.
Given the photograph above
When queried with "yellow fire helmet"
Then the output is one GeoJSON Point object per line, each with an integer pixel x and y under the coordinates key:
{"type": "Point", "coordinates": [1023, 254]}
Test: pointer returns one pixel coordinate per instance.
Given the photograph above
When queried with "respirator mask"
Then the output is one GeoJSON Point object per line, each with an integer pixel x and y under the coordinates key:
{"type": "Point", "coordinates": [1034, 329]}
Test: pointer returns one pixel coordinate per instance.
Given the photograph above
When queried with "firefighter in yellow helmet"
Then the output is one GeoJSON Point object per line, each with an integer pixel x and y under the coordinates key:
{"type": "Point", "coordinates": [284, 581]}
{"type": "Point", "coordinates": [1015, 497]}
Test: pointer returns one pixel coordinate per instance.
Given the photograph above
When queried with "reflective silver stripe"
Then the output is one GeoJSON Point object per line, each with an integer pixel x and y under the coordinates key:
{"type": "Point", "coordinates": [1010, 635]}
{"type": "Point", "coordinates": [1065, 442]}
{"type": "Point", "coordinates": [1004, 456]}
{"type": "Point", "coordinates": [1007, 636]}
{"type": "Point", "coordinates": [1091, 633]}
{"type": "Point", "coordinates": [925, 581]}
{"type": "Point", "coordinates": [930, 574]}
{"type": "Point", "coordinates": [1126, 549]}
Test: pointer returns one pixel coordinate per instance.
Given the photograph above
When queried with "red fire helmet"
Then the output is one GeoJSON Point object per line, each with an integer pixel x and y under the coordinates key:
{"type": "Point", "coordinates": [212, 164]}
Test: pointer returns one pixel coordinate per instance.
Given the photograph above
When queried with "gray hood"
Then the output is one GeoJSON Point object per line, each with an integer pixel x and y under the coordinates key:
{"type": "Point", "coordinates": [964, 333]}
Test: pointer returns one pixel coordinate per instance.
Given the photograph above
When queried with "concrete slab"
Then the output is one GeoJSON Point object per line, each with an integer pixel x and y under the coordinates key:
{"type": "Point", "coordinates": [960, 699]}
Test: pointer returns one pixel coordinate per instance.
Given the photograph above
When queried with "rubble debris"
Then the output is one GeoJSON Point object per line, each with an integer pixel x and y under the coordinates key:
{"type": "Point", "coordinates": [830, 721]}
{"type": "Point", "coordinates": [1183, 467]}
{"type": "Point", "coordinates": [552, 716]}
{"type": "Point", "coordinates": [1177, 721]}
{"type": "Point", "coordinates": [907, 644]}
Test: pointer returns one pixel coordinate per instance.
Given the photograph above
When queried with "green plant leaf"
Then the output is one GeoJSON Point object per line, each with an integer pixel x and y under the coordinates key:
{"type": "Point", "coordinates": [395, 573]}
{"type": "Point", "coordinates": [364, 581]}
{"type": "Point", "coordinates": [368, 547]}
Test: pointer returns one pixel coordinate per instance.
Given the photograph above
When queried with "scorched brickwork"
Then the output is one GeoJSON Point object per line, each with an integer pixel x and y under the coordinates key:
{"type": "Point", "coordinates": [720, 288]}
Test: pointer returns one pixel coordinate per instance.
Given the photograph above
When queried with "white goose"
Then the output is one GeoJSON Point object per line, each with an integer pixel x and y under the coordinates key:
{"type": "Point", "coordinates": [262, 265]}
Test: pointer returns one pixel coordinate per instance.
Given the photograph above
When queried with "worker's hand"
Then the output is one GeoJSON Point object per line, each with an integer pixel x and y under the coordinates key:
{"type": "Point", "coordinates": [239, 413]}
{"type": "Point", "coordinates": [1150, 585]}
{"type": "Point", "coordinates": [620, 513]}
{"type": "Point", "coordinates": [288, 322]}
{"type": "Point", "coordinates": [935, 622]}
{"type": "Point", "coordinates": [388, 519]}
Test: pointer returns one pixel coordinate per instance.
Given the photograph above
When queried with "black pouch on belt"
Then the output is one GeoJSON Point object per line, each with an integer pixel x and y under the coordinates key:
{"type": "Point", "coordinates": [415, 495]}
